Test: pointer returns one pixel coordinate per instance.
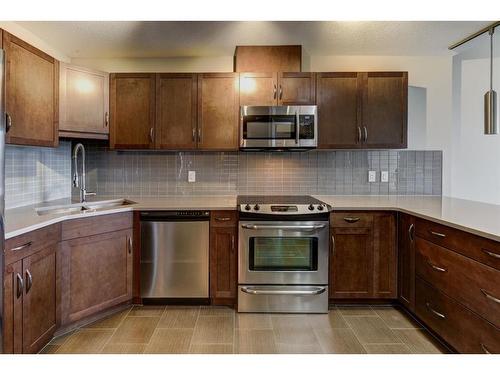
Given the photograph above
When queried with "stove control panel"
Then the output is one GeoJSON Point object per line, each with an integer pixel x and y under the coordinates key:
{"type": "Point", "coordinates": [285, 209]}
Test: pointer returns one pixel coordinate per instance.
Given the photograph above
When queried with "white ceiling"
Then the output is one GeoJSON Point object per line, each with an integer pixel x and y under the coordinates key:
{"type": "Point", "coordinates": [137, 39]}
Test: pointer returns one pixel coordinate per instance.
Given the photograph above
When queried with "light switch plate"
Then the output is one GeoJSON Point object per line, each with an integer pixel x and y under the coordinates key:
{"type": "Point", "coordinates": [191, 176]}
{"type": "Point", "coordinates": [372, 176]}
{"type": "Point", "coordinates": [384, 176]}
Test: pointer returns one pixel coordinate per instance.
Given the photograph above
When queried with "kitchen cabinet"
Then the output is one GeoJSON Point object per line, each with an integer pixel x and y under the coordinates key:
{"type": "Point", "coordinates": [132, 110]}
{"type": "Point", "coordinates": [261, 59]}
{"type": "Point", "coordinates": [218, 111]}
{"type": "Point", "coordinates": [83, 102]}
{"type": "Point", "coordinates": [406, 256]}
{"type": "Point", "coordinates": [363, 262]}
{"type": "Point", "coordinates": [223, 257]}
{"type": "Point", "coordinates": [284, 88]}
{"type": "Point", "coordinates": [176, 121]}
{"type": "Point", "coordinates": [362, 110]}
{"type": "Point", "coordinates": [32, 91]}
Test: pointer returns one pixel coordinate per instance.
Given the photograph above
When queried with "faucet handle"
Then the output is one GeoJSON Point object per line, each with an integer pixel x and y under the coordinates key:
{"type": "Point", "coordinates": [89, 193]}
{"type": "Point", "coordinates": [75, 180]}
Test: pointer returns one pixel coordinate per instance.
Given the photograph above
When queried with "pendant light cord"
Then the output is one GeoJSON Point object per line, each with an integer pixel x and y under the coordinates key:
{"type": "Point", "coordinates": [492, 30]}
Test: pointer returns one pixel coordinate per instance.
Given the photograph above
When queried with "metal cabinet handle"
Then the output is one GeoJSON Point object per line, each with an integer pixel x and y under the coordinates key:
{"type": "Point", "coordinates": [222, 218]}
{"type": "Point", "coordinates": [411, 231]}
{"type": "Point", "coordinates": [351, 219]}
{"type": "Point", "coordinates": [23, 246]}
{"type": "Point", "coordinates": [438, 314]}
{"type": "Point", "coordinates": [437, 234]}
{"type": "Point", "coordinates": [8, 122]}
{"type": "Point", "coordinates": [232, 243]}
{"type": "Point", "coordinates": [485, 349]}
{"type": "Point", "coordinates": [491, 254]}
{"type": "Point", "coordinates": [106, 119]}
{"type": "Point", "coordinates": [333, 245]}
{"type": "Point", "coordinates": [151, 134]}
{"type": "Point", "coordinates": [20, 285]}
{"type": "Point", "coordinates": [359, 135]}
{"type": "Point", "coordinates": [193, 135]}
{"type": "Point", "coordinates": [281, 92]}
{"type": "Point", "coordinates": [249, 290]}
{"type": "Point", "coordinates": [274, 92]}
{"type": "Point", "coordinates": [436, 268]}
{"type": "Point", "coordinates": [199, 134]}
{"type": "Point", "coordinates": [29, 281]}
{"type": "Point", "coordinates": [365, 131]}
{"type": "Point", "coordinates": [130, 245]}
{"type": "Point", "coordinates": [489, 296]}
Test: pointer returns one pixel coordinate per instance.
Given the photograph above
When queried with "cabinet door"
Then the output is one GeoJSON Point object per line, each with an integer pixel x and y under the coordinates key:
{"type": "Point", "coordinates": [31, 88]}
{"type": "Point", "coordinates": [40, 301]}
{"type": "Point", "coordinates": [132, 110]}
{"type": "Point", "coordinates": [218, 111]}
{"type": "Point", "coordinates": [176, 96]}
{"type": "Point", "coordinates": [338, 97]}
{"type": "Point", "coordinates": [385, 256]}
{"type": "Point", "coordinates": [296, 89]}
{"type": "Point", "coordinates": [258, 89]}
{"type": "Point", "coordinates": [223, 264]}
{"type": "Point", "coordinates": [96, 273]}
{"type": "Point", "coordinates": [84, 102]}
{"type": "Point", "coordinates": [351, 263]}
{"type": "Point", "coordinates": [13, 287]}
{"type": "Point", "coordinates": [406, 254]}
{"type": "Point", "coordinates": [385, 113]}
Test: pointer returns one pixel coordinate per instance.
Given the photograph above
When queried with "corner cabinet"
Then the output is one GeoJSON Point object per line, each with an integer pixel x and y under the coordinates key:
{"type": "Point", "coordinates": [31, 94]}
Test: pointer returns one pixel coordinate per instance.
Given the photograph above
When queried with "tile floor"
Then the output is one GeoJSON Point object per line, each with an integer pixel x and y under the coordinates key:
{"type": "Point", "coordinates": [205, 329]}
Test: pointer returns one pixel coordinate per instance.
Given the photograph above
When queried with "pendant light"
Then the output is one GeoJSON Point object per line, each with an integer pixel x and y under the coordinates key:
{"type": "Point", "coordinates": [490, 98]}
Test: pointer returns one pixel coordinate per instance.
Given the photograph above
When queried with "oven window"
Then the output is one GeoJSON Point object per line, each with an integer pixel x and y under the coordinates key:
{"type": "Point", "coordinates": [283, 254]}
{"type": "Point", "coordinates": [269, 127]}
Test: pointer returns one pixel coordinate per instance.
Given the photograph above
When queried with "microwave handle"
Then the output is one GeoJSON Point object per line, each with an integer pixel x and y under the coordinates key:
{"type": "Point", "coordinates": [297, 126]}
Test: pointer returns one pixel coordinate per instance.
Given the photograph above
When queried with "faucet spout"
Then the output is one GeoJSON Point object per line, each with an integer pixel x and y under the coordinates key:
{"type": "Point", "coordinates": [79, 181]}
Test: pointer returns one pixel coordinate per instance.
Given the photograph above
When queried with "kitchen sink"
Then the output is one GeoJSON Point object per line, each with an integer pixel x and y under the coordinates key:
{"type": "Point", "coordinates": [83, 207]}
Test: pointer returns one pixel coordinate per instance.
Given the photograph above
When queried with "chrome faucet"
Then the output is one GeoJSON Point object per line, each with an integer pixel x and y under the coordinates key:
{"type": "Point", "coordinates": [79, 180]}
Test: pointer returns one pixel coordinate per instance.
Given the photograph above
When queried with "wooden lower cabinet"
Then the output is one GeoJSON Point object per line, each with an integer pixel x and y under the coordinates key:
{"type": "Point", "coordinates": [96, 273]}
{"type": "Point", "coordinates": [406, 255]}
{"type": "Point", "coordinates": [363, 262]}
{"type": "Point", "coordinates": [223, 258]}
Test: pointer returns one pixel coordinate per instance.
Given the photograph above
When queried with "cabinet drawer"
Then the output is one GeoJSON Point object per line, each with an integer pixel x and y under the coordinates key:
{"type": "Point", "coordinates": [223, 218]}
{"type": "Point", "coordinates": [351, 219]}
{"type": "Point", "coordinates": [29, 243]}
{"type": "Point", "coordinates": [93, 225]}
{"type": "Point", "coordinates": [460, 327]}
{"type": "Point", "coordinates": [481, 249]}
{"type": "Point", "coordinates": [475, 285]}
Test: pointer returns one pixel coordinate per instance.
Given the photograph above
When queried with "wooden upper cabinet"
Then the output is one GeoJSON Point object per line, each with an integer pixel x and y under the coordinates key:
{"type": "Point", "coordinates": [258, 89]}
{"type": "Point", "coordinates": [385, 109]}
{"type": "Point", "coordinates": [83, 102]}
{"type": "Point", "coordinates": [176, 122]}
{"type": "Point", "coordinates": [32, 90]}
{"type": "Point", "coordinates": [261, 59]}
{"type": "Point", "coordinates": [132, 110]}
{"type": "Point", "coordinates": [296, 88]}
{"type": "Point", "coordinates": [338, 97]}
{"type": "Point", "coordinates": [218, 111]}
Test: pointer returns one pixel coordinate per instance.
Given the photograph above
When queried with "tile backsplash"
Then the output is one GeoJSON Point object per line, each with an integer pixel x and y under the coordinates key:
{"type": "Point", "coordinates": [36, 174]}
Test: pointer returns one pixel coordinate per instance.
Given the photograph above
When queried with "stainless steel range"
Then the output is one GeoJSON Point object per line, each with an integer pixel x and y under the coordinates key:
{"type": "Point", "coordinates": [283, 254]}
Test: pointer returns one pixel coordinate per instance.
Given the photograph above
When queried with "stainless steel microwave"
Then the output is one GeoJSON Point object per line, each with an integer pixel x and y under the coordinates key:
{"type": "Point", "coordinates": [278, 127]}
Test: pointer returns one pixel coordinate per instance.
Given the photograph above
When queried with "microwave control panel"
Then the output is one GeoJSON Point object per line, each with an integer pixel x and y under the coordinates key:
{"type": "Point", "coordinates": [306, 126]}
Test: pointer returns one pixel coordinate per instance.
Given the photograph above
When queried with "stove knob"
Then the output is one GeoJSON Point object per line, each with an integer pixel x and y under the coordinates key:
{"type": "Point", "coordinates": [310, 207]}
{"type": "Point", "coordinates": [256, 207]}
{"type": "Point", "coordinates": [320, 207]}
{"type": "Point", "coordinates": [247, 207]}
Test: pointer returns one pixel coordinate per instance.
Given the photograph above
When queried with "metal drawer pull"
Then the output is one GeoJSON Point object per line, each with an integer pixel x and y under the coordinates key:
{"type": "Point", "coordinates": [274, 92]}
{"type": "Point", "coordinates": [489, 296]}
{"type": "Point", "coordinates": [366, 133]}
{"type": "Point", "coordinates": [333, 245]}
{"type": "Point", "coordinates": [351, 219]}
{"type": "Point", "coordinates": [29, 281]}
{"type": "Point", "coordinates": [438, 314]}
{"type": "Point", "coordinates": [193, 136]}
{"type": "Point", "coordinates": [130, 245]}
{"type": "Point", "coordinates": [284, 227]}
{"type": "Point", "coordinates": [411, 230]}
{"type": "Point", "coordinates": [222, 218]}
{"type": "Point", "coordinates": [281, 92]}
{"type": "Point", "coordinates": [491, 254]}
{"type": "Point", "coordinates": [485, 349]}
{"type": "Point", "coordinates": [151, 135]}
{"type": "Point", "coordinates": [359, 134]}
{"type": "Point", "coordinates": [284, 291]}
{"type": "Point", "coordinates": [437, 234]}
{"type": "Point", "coordinates": [437, 268]}
{"type": "Point", "coordinates": [24, 246]}
{"type": "Point", "coordinates": [106, 119]}
{"type": "Point", "coordinates": [8, 122]}
{"type": "Point", "coordinates": [20, 285]}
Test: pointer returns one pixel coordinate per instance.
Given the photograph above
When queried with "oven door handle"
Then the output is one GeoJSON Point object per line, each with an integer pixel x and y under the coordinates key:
{"type": "Point", "coordinates": [284, 227]}
{"type": "Point", "coordinates": [250, 290]}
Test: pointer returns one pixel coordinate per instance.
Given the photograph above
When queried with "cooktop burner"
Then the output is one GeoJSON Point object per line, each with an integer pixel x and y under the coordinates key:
{"type": "Point", "coordinates": [281, 205]}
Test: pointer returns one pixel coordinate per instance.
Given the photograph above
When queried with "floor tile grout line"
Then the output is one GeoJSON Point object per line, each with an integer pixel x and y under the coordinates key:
{"type": "Point", "coordinates": [194, 329]}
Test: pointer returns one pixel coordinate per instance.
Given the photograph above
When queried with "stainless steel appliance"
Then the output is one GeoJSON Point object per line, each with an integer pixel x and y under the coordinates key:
{"type": "Point", "coordinates": [283, 254]}
{"type": "Point", "coordinates": [2, 186]}
{"type": "Point", "coordinates": [174, 255]}
{"type": "Point", "coordinates": [79, 181]}
{"type": "Point", "coordinates": [278, 127]}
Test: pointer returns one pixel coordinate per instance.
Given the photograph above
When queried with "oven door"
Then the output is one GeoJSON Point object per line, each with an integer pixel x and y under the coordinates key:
{"type": "Point", "coordinates": [283, 252]}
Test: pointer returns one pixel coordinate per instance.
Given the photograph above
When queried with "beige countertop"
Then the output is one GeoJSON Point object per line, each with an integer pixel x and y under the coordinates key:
{"type": "Point", "coordinates": [474, 217]}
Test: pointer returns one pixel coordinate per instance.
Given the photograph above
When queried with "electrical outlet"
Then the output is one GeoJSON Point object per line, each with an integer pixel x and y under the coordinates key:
{"type": "Point", "coordinates": [384, 176]}
{"type": "Point", "coordinates": [191, 176]}
{"type": "Point", "coordinates": [372, 176]}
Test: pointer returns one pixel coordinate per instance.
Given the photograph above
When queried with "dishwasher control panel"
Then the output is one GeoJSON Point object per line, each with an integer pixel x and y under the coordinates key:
{"type": "Point", "coordinates": [169, 215]}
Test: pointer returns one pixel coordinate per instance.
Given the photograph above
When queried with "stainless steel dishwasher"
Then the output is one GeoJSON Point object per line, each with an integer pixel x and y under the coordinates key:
{"type": "Point", "coordinates": [174, 255]}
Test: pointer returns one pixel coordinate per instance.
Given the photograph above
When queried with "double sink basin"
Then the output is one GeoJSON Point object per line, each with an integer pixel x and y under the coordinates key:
{"type": "Point", "coordinates": [83, 207]}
